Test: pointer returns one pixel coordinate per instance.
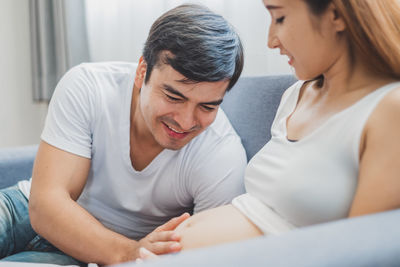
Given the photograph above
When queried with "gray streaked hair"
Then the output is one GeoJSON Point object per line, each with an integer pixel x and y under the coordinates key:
{"type": "Point", "coordinates": [200, 45]}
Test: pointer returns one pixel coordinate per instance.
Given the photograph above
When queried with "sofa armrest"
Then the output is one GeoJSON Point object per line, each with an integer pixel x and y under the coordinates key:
{"type": "Point", "coordinates": [372, 240]}
{"type": "Point", "coordinates": [16, 164]}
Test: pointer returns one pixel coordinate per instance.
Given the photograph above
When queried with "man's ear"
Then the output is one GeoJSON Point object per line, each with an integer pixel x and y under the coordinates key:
{"type": "Point", "coordinates": [140, 72]}
{"type": "Point", "coordinates": [336, 18]}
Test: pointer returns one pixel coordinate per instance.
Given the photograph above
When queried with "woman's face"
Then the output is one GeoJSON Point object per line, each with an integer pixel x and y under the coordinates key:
{"type": "Point", "coordinates": [310, 42]}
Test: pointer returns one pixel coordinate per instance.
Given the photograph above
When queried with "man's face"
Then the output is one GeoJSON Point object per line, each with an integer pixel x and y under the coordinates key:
{"type": "Point", "coordinates": [174, 112]}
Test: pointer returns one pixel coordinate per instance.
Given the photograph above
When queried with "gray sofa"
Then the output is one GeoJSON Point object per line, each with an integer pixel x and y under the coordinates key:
{"type": "Point", "coordinates": [372, 240]}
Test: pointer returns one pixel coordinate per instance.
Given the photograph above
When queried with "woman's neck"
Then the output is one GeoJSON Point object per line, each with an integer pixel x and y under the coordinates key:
{"type": "Point", "coordinates": [349, 74]}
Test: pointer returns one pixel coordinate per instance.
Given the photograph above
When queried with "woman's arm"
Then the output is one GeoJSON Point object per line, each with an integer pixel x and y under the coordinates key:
{"type": "Point", "coordinates": [379, 172]}
{"type": "Point", "coordinates": [215, 226]}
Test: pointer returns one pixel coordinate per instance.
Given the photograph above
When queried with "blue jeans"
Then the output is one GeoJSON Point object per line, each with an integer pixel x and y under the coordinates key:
{"type": "Point", "coordinates": [18, 241]}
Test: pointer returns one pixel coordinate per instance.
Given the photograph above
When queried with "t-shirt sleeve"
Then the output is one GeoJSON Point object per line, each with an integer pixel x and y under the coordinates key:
{"type": "Point", "coordinates": [71, 114]}
{"type": "Point", "coordinates": [219, 175]}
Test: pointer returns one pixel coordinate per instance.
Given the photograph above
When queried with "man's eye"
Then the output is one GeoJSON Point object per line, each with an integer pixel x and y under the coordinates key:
{"type": "Point", "coordinates": [173, 98]}
{"type": "Point", "coordinates": [207, 108]}
{"type": "Point", "coordinates": [280, 20]}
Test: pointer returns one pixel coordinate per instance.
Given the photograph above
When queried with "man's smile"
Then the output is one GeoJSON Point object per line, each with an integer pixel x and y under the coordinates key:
{"type": "Point", "coordinates": [174, 133]}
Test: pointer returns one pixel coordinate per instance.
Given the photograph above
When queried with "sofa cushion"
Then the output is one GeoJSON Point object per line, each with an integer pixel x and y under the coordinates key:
{"type": "Point", "coordinates": [251, 106]}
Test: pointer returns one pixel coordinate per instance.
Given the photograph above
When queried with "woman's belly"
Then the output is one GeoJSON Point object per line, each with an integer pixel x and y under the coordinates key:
{"type": "Point", "coordinates": [223, 224]}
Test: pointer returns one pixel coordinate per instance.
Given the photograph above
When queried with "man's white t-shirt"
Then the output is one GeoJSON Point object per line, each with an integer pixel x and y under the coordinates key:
{"type": "Point", "coordinates": [89, 115]}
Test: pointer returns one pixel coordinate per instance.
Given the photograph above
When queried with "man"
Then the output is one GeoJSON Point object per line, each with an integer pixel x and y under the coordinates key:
{"type": "Point", "coordinates": [122, 154]}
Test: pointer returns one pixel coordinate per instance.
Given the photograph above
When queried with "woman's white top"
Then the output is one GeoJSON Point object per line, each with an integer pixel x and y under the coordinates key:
{"type": "Point", "coordinates": [313, 180]}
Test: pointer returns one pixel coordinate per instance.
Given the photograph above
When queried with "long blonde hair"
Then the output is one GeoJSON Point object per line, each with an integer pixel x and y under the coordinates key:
{"type": "Point", "coordinates": [373, 29]}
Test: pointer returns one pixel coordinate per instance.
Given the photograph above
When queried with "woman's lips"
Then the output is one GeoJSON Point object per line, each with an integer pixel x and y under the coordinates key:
{"type": "Point", "coordinates": [290, 60]}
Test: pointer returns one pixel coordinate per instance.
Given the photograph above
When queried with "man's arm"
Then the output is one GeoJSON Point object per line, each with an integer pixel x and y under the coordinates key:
{"type": "Point", "coordinates": [58, 179]}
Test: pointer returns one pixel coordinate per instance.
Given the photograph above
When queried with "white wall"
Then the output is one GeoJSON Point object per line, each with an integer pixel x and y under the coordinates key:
{"type": "Point", "coordinates": [118, 29]}
{"type": "Point", "coordinates": [21, 120]}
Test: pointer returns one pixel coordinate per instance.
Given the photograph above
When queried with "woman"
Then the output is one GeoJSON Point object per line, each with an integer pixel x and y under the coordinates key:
{"type": "Point", "coordinates": [335, 139]}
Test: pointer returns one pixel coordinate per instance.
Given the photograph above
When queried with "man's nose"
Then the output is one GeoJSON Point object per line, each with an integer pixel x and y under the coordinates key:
{"type": "Point", "coordinates": [187, 119]}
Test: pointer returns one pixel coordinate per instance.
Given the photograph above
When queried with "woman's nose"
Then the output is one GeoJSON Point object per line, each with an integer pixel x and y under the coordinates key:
{"type": "Point", "coordinates": [273, 41]}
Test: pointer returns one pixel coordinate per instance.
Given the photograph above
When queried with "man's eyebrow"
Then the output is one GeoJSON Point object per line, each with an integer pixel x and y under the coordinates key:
{"type": "Point", "coordinates": [174, 91]}
{"type": "Point", "coordinates": [213, 103]}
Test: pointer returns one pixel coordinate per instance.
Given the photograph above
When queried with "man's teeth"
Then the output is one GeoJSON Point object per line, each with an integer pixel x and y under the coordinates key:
{"type": "Point", "coordinates": [174, 130]}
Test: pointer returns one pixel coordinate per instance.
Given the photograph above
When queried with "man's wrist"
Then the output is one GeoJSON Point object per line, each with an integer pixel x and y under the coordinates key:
{"type": "Point", "coordinates": [129, 251]}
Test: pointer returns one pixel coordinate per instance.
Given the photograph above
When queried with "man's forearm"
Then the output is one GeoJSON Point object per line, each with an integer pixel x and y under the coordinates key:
{"type": "Point", "coordinates": [73, 230]}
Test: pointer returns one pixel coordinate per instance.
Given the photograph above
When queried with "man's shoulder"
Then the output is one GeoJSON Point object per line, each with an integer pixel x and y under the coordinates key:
{"type": "Point", "coordinates": [109, 78]}
{"type": "Point", "coordinates": [221, 129]}
{"type": "Point", "coordinates": [219, 134]}
{"type": "Point", "coordinates": [107, 68]}
{"type": "Point", "coordinates": [214, 164]}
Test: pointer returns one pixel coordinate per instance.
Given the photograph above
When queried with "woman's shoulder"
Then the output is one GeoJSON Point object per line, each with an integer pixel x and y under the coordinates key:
{"type": "Point", "coordinates": [385, 116]}
{"type": "Point", "coordinates": [390, 102]}
{"type": "Point", "coordinates": [392, 98]}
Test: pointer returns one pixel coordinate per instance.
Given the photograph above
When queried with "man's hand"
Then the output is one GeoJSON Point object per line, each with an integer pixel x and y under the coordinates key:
{"type": "Point", "coordinates": [144, 254]}
{"type": "Point", "coordinates": [163, 239]}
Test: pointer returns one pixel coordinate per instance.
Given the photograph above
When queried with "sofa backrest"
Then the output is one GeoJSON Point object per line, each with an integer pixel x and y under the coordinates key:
{"type": "Point", "coordinates": [251, 106]}
{"type": "Point", "coordinates": [16, 164]}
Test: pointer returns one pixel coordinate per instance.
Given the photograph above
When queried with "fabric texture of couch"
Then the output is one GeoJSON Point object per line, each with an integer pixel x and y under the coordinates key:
{"type": "Point", "coordinates": [16, 164]}
{"type": "Point", "coordinates": [372, 240]}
